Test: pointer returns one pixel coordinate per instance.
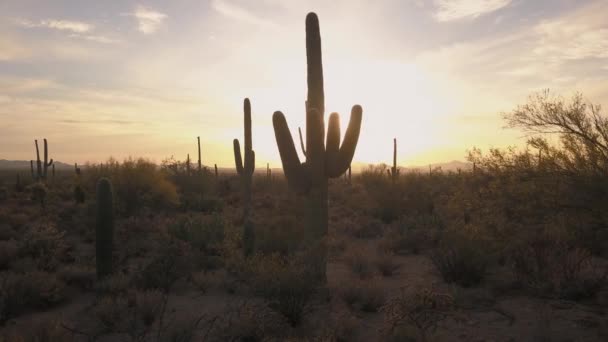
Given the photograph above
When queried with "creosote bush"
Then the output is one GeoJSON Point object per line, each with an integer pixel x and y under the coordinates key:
{"type": "Point", "coordinates": [462, 258]}
{"type": "Point", "coordinates": [137, 183]}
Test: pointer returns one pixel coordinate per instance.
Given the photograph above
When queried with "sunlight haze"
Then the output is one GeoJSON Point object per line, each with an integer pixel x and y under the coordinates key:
{"type": "Point", "coordinates": [145, 78]}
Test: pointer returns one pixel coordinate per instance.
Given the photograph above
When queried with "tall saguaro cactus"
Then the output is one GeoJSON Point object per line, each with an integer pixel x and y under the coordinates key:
{"type": "Point", "coordinates": [324, 159]}
{"type": "Point", "coordinates": [42, 166]}
{"type": "Point", "coordinates": [245, 172]}
{"type": "Point", "coordinates": [200, 162]}
{"type": "Point", "coordinates": [394, 171]}
{"type": "Point", "coordinates": [104, 228]}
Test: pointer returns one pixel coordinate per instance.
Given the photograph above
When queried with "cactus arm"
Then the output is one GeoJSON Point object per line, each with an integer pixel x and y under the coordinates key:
{"type": "Point", "coordinates": [302, 142]}
{"type": "Point", "coordinates": [238, 160]}
{"type": "Point", "coordinates": [351, 137]}
{"type": "Point", "coordinates": [332, 146]}
{"type": "Point", "coordinates": [316, 96]}
{"type": "Point", "coordinates": [247, 122]}
{"type": "Point", "coordinates": [294, 171]}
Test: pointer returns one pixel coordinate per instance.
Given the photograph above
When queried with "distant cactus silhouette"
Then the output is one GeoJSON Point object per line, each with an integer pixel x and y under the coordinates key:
{"type": "Point", "coordinates": [104, 228]}
{"type": "Point", "coordinates": [268, 173]}
{"type": "Point", "coordinates": [76, 169]}
{"type": "Point", "coordinates": [394, 171]}
{"type": "Point", "coordinates": [42, 166]}
{"type": "Point", "coordinates": [245, 171]}
{"type": "Point", "coordinates": [188, 164]}
{"type": "Point", "coordinates": [200, 162]}
{"type": "Point", "coordinates": [323, 160]}
{"type": "Point", "coordinates": [216, 173]}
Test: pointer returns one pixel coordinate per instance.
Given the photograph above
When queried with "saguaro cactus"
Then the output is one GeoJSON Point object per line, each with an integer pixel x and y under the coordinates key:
{"type": "Point", "coordinates": [268, 173]}
{"type": "Point", "coordinates": [188, 164]}
{"type": "Point", "coordinates": [245, 172]}
{"type": "Point", "coordinates": [104, 228]}
{"type": "Point", "coordinates": [323, 159]}
{"type": "Point", "coordinates": [42, 166]}
{"type": "Point", "coordinates": [394, 171]}
{"type": "Point", "coordinates": [216, 173]}
{"type": "Point", "coordinates": [200, 162]}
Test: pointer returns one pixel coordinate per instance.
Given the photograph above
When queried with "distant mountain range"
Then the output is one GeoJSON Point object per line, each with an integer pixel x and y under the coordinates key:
{"type": "Point", "coordinates": [357, 167]}
{"type": "Point", "coordinates": [25, 164]}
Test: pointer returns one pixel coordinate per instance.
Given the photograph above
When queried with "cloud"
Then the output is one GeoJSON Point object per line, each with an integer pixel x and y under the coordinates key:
{"type": "Point", "coordinates": [97, 38]}
{"type": "Point", "coordinates": [148, 20]}
{"type": "Point", "coordinates": [579, 36]}
{"type": "Point", "coordinates": [450, 10]}
{"type": "Point", "coordinates": [234, 11]}
{"type": "Point", "coordinates": [61, 25]}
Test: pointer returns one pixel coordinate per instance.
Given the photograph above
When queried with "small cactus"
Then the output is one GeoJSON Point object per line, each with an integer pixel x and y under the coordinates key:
{"type": "Point", "coordinates": [104, 228]}
{"type": "Point", "coordinates": [216, 173]}
{"type": "Point", "coordinates": [394, 171]}
{"type": "Point", "coordinates": [200, 162]}
{"type": "Point", "coordinates": [188, 165]}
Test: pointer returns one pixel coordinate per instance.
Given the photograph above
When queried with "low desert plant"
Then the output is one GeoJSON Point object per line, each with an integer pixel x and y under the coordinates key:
{"type": "Point", "coordinates": [422, 310]}
{"type": "Point", "coordinates": [367, 296]}
{"type": "Point", "coordinates": [34, 290]}
{"type": "Point", "coordinates": [359, 264]}
{"type": "Point", "coordinates": [285, 282]}
{"type": "Point", "coordinates": [461, 259]}
{"type": "Point", "coordinates": [386, 264]}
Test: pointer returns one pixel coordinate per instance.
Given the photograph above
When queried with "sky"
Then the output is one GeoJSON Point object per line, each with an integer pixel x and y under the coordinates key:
{"type": "Point", "coordinates": [145, 78]}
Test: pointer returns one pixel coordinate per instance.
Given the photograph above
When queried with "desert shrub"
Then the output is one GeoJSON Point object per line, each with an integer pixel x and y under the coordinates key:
{"type": "Point", "coordinates": [4, 195]}
{"type": "Point", "coordinates": [368, 229]}
{"type": "Point", "coordinates": [386, 264]}
{"type": "Point", "coordinates": [402, 239]}
{"type": "Point", "coordinates": [366, 296]}
{"type": "Point", "coordinates": [203, 233]}
{"type": "Point", "coordinates": [47, 331]}
{"type": "Point", "coordinates": [359, 264]}
{"type": "Point", "coordinates": [249, 322]}
{"type": "Point", "coordinates": [462, 258]}
{"type": "Point", "coordinates": [22, 292]}
{"type": "Point", "coordinates": [113, 285]}
{"type": "Point", "coordinates": [38, 192]}
{"type": "Point", "coordinates": [551, 266]}
{"type": "Point", "coordinates": [8, 252]}
{"type": "Point", "coordinates": [83, 277]}
{"type": "Point", "coordinates": [79, 195]}
{"type": "Point", "coordinates": [281, 234]}
{"type": "Point", "coordinates": [164, 269]}
{"type": "Point", "coordinates": [6, 232]}
{"type": "Point", "coordinates": [421, 311]}
{"type": "Point", "coordinates": [287, 284]}
{"type": "Point", "coordinates": [45, 243]}
{"type": "Point", "coordinates": [137, 184]}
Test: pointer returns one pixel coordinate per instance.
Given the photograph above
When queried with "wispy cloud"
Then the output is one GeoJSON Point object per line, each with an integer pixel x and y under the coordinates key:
{"type": "Point", "coordinates": [234, 11]}
{"type": "Point", "coordinates": [62, 25]}
{"type": "Point", "coordinates": [97, 38]}
{"type": "Point", "coordinates": [450, 10]}
{"type": "Point", "coordinates": [148, 20]}
{"type": "Point", "coordinates": [579, 36]}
